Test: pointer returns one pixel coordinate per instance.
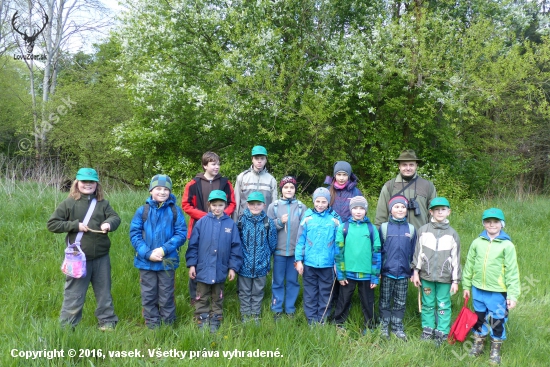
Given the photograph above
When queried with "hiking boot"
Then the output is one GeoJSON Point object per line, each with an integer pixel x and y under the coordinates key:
{"type": "Point", "coordinates": [439, 337]}
{"type": "Point", "coordinates": [203, 320]}
{"type": "Point", "coordinates": [494, 358]}
{"type": "Point", "coordinates": [256, 318]}
{"type": "Point", "coordinates": [384, 328]}
{"type": "Point", "coordinates": [215, 322]}
{"type": "Point", "coordinates": [477, 347]}
{"type": "Point", "coordinates": [427, 334]}
{"type": "Point", "coordinates": [277, 316]}
{"type": "Point", "coordinates": [400, 334]}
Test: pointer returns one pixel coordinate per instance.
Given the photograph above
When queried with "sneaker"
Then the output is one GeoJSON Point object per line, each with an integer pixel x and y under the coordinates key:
{"type": "Point", "coordinates": [108, 326]}
{"type": "Point", "coordinates": [340, 328]}
{"type": "Point", "coordinates": [277, 316]}
{"type": "Point", "coordinates": [400, 334]}
{"type": "Point", "coordinates": [290, 315]}
{"type": "Point", "coordinates": [439, 337]}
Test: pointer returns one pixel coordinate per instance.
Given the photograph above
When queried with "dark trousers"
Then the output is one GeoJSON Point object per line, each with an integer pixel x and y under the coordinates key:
{"type": "Point", "coordinates": [366, 295]}
{"type": "Point", "coordinates": [157, 296]}
{"type": "Point", "coordinates": [98, 272]}
{"type": "Point", "coordinates": [205, 293]}
{"type": "Point", "coordinates": [317, 292]}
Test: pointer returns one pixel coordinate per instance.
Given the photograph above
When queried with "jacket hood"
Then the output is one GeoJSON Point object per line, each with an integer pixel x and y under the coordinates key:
{"type": "Point", "coordinates": [201, 176]}
{"type": "Point", "coordinates": [171, 200]}
{"type": "Point", "coordinates": [440, 225]}
{"type": "Point", "coordinates": [503, 236]}
{"type": "Point", "coordinates": [254, 218]}
{"type": "Point", "coordinates": [351, 184]}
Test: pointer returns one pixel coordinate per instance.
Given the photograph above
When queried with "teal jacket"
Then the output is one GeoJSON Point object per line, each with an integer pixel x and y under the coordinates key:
{"type": "Point", "coordinates": [492, 266]}
{"type": "Point", "coordinates": [354, 257]}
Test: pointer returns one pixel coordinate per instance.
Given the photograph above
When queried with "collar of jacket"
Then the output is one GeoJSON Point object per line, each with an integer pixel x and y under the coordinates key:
{"type": "Point", "coordinates": [257, 173]}
{"type": "Point", "coordinates": [502, 236]}
{"type": "Point", "coordinates": [350, 185]}
{"type": "Point", "coordinates": [211, 215]}
{"type": "Point", "coordinates": [398, 221]}
{"type": "Point", "coordinates": [364, 220]}
{"type": "Point", "coordinates": [288, 201]}
{"type": "Point", "coordinates": [440, 225]}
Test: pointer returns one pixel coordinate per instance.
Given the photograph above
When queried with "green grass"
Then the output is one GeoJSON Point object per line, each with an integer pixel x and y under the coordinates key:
{"type": "Point", "coordinates": [31, 288]}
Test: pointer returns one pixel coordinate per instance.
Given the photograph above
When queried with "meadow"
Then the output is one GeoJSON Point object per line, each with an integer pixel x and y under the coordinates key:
{"type": "Point", "coordinates": [31, 291]}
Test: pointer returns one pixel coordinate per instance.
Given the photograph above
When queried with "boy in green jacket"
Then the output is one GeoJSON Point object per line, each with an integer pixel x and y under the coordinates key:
{"type": "Point", "coordinates": [492, 275]}
{"type": "Point", "coordinates": [436, 264]}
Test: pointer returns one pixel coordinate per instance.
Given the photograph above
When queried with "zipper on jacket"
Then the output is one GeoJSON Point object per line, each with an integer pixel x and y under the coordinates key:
{"type": "Point", "coordinates": [436, 252]}
{"type": "Point", "coordinates": [254, 257]}
{"type": "Point", "coordinates": [484, 270]}
{"type": "Point", "coordinates": [287, 224]}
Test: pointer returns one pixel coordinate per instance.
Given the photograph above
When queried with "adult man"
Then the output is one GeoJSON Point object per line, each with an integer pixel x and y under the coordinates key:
{"type": "Point", "coordinates": [417, 190]}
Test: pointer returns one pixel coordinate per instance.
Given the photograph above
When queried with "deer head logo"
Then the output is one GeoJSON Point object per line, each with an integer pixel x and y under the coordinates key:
{"type": "Point", "coordinates": [29, 39]}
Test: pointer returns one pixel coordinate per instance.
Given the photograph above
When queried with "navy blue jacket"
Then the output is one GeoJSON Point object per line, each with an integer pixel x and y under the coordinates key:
{"type": "Point", "coordinates": [397, 250]}
{"type": "Point", "coordinates": [160, 231]}
{"type": "Point", "coordinates": [214, 248]}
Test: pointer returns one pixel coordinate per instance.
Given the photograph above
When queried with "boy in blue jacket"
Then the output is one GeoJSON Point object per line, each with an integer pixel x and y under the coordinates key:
{"type": "Point", "coordinates": [259, 240]}
{"type": "Point", "coordinates": [214, 251]}
{"type": "Point", "coordinates": [314, 256]}
{"type": "Point", "coordinates": [398, 242]}
{"type": "Point", "coordinates": [157, 232]}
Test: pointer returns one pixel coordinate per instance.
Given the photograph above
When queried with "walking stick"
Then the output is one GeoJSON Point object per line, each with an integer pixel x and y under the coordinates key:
{"type": "Point", "coordinates": [419, 300]}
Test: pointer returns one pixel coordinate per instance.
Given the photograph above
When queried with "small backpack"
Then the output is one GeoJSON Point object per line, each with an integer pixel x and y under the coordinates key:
{"type": "Point", "coordinates": [464, 322]}
{"type": "Point", "coordinates": [384, 228]}
{"type": "Point", "coordinates": [266, 225]}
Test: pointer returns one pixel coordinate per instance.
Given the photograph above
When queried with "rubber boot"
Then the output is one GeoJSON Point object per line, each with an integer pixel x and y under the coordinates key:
{"type": "Point", "coordinates": [203, 320]}
{"type": "Point", "coordinates": [215, 322]}
{"type": "Point", "coordinates": [494, 359]}
{"type": "Point", "coordinates": [427, 334]}
{"type": "Point", "coordinates": [385, 328]}
{"type": "Point", "coordinates": [477, 347]}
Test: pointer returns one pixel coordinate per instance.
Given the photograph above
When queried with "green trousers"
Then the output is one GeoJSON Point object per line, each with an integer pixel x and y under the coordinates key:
{"type": "Point", "coordinates": [436, 298]}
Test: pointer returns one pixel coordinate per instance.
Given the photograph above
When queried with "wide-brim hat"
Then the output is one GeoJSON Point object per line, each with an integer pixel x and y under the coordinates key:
{"type": "Point", "coordinates": [407, 155]}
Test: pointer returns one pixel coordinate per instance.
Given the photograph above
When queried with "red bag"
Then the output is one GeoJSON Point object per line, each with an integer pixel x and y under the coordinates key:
{"type": "Point", "coordinates": [464, 322]}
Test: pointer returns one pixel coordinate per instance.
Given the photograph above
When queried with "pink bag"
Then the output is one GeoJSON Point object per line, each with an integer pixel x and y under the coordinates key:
{"type": "Point", "coordinates": [74, 264]}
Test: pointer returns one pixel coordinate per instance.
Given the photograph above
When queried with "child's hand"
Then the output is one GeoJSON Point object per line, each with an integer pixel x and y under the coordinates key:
{"type": "Point", "coordinates": [373, 285]}
{"type": "Point", "coordinates": [416, 279]}
{"type": "Point", "coordinates": [466, 294]}
{"type": "Point", "coordinates": [231, 275]}
{"type": "Point", "coordinates": [336, 222]}
{"type": "Point", "coordinates": [284, 218]}
{"type": "Point", "coordinates": [510, 304]}
{"type": "Point", "coordinates": [105, 227]}
{"type": "Point", "coordinates": [193, 275]}
{"type": "Point", "coordinates": [157, 254]}
{"type": "Point", "coordinates": [454, 288]}
{"type": "Point", "coordinates": [82, 227]}
{"type": "Point", "coordinates": [300, 267]}
{"type": "Point", "coordinates": [343, 282]}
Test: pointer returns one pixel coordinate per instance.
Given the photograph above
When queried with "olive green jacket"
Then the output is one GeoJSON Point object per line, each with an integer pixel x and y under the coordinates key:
{"type": "Point", "coordinates": [423, 191]}
{"type": "Point", "coordinates": [71, 212]}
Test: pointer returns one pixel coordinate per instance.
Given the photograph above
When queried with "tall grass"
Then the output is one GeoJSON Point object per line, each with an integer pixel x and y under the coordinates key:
{"type": "Point", "coordinates": [31, 287]}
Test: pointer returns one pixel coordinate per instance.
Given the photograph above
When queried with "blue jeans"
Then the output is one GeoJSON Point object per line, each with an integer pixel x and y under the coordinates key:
{"type": "Point", "coordinates": [283, 269]}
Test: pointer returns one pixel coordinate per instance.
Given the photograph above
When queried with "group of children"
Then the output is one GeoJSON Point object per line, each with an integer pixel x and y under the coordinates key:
{"type": "Point", "coordinates": [333, 246]}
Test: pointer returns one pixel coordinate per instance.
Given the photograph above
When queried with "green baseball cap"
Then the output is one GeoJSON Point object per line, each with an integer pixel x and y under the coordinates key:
{"type": "Point", "coordinates": [217, 195]}
{"type": "Point", "coordinates": [256, 196]}
{"type": "Point", "coordinates": [87, 174]}
{"type": "Point", "coordinates": [259, 150]}
{"type": "Point", "coordinates": [493, 213]}
{"type": "Point", "coordinates": [439, 201]}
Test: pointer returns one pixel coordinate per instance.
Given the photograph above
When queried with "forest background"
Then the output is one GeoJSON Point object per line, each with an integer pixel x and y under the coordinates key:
{"type": "Point", "coordinates": [464, 83]}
